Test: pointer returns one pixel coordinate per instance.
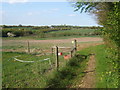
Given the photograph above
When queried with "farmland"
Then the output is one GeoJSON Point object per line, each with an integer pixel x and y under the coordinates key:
{"type": "Point", "coordinates": [18, 72]}
{"type": "Point", "coordinates": [32, 75]}
{"type": "Point", "coordinates": [60, 56]}
{"type": "Point", "coordinates": [44, 32]}
{"type": "Point", "coordinates": [37, 68]}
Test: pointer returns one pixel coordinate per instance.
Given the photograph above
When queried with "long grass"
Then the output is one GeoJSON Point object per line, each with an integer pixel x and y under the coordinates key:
{"type": "Point", "coordinates": [67, 76]}
{"type": "Point", "coordinates": [28, 75]}
{"type": "Point", "coordinates": [106, 77]}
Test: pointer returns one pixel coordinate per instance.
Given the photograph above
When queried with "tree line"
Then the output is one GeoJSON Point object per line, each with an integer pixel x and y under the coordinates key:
{"type": "Point", "coordinates": [108, 15]}
{"type": "Point", "coordinates": [21, 30]}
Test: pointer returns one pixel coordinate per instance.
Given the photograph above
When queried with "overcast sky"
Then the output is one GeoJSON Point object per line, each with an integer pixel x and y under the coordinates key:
{"type": "Point", "coordinates": [43, 13]}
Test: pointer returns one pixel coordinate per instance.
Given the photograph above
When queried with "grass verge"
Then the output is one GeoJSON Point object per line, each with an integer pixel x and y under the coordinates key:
{"type": "Point", "coordinates": [106, 77]}
{"type": "Point", "coordinates": [67, 76]}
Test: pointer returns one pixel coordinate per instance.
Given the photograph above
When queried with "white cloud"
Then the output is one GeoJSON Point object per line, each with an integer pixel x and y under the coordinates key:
{"type": "Point", "coordinates": [54, 9]}
{"type": "Point", "coordinates": [29, 13]}
{"type": "Point", "coordinates": [72, 15]}
{"type": "Point", "coordinates": [33, 13]}
{"type": "Point", "coordinates": [14, 1]}
{"type": "Point", "coordinates": [51, 10]}
{"type": "Point", "coordinates": [23, 1]}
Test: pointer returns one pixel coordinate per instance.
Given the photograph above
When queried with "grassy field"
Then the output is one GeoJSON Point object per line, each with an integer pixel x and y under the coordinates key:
{"type": "Point", "coordinates": [27, 75]}
{"type": "Point", "coordinates": [37, 75]}
{"type": "Point", "coordinates": [82, 31]}
{"type": "Point", "coordinates": [62, 34]}
{"type": "Point", "coordinates": [70, 33]}
{"type": "Point", "coordinates": [105, 78]}
{"type": "Point", "coordinates": [31, 75]}
{"type": "Point", "coordinates": [18, 74]}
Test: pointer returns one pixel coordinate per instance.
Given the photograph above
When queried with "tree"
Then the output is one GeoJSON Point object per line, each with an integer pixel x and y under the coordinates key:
{"type": "Point", "coordinates": [100, 9]}
{"type": "Point", "coordinates": [108, 15]}
{"type": "Point", "coordinates": [20, 25]}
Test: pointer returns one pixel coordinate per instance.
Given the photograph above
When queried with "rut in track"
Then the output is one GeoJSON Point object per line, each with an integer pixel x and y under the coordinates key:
{"type": "Point", "coordinates": [88, 80]}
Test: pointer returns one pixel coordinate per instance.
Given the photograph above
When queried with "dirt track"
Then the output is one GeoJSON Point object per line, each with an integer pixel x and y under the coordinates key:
{"type": "Point", "coordinates": [88, 80]}
{"type": "Point", "coordinates": [82, 39]}
{"type": "Point", "coordinates": [95, 40]}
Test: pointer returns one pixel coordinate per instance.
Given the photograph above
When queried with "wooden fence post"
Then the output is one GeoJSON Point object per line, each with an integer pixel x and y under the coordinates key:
{"type": "Point", "coordinates": [57, 59]}
{"type": "Point", "coordinates": [75, 45]}
{"type": "Point", "coordinates": [52, 50]}
{"type": "Point", "coordinates": [71, 53]}
{"type": "Point", "coordinates": [28, 47]}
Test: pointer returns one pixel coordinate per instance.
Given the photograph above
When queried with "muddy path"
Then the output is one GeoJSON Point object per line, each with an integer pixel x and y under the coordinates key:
{"type": "Point", "coordinates": [88, 81]}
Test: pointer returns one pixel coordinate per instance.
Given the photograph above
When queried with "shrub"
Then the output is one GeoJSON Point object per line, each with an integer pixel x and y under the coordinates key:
{"type": "Point", "coordinates": [17, 32]}
{"type": "Point", "coordinates": [62, 78]}
{"type": "Point", "coordinates": [111, 33]}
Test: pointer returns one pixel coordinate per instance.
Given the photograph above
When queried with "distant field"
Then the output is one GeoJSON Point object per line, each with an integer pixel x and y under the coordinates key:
{"type": "Point", "coordinates": [21, 45]}
{"type": "Point", "coordinates": [39, 38]}
{"type": "Point", "coordinates": [58, 34]}
{"type": "Point", "coordinates": [82, 31]}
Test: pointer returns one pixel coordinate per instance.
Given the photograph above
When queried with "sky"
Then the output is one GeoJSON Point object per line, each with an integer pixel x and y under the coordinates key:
{"type": "Point", "coordinates": [43, 13]}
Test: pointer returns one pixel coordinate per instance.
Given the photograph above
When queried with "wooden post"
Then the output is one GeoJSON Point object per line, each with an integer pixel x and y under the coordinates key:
{"type": "Point", "coordinates": [75, 44]}
{"type": "Point", "coordinates": [28, 47]}
{"type": "Point", "coordinates": [52, 50]}
{"type": "Point", "coordinates": [71, 53]}
{"type": "Point", "coordinates": [57, 59]}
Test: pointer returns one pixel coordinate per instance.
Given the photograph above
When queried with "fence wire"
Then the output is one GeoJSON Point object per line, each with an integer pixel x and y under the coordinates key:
{"type": "Point", "coordinates": [30, 63]}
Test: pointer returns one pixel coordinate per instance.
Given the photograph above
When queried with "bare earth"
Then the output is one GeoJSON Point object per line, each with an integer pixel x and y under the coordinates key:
{"type": "Point", "coordinates": [82, 39]}
{"type": "Point", "coordinates": [54, 41]}
{"type": "Point", "coordinates": [88, 80]}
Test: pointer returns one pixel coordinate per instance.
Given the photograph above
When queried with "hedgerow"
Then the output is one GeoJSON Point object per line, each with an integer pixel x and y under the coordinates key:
{"type": "Point", "coordinates": [111, 36]}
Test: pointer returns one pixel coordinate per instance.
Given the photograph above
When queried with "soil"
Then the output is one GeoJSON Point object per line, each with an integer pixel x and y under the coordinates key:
{"type": "Point", "coordinates": [82, 39]}
{"type": "Point", "coordinates": [80, 46]}
{"type": "Point", "coordinates": [88, 80]}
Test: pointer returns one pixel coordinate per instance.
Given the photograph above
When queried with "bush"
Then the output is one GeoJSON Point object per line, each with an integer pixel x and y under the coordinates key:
{"type": "Point", "coordinates": [62, 78]}
{"type": "Point", "coordinates": [17, 32]}
{"type": "Point", "coordinates": [111, 33]}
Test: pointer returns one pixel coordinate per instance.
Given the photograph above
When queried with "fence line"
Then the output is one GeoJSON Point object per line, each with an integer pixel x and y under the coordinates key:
{"type": "Point", "coordinates": [55, 50]}
{"type": "Point", "coordinates": [31, 61]}
{"type": "Point", "coordinates": [72, 52]}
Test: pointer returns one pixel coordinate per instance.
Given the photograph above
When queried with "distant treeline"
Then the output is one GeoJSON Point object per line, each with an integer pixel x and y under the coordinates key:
{"type": "Point", "coordinates": [52, 26]}
{"type": "Point", "coordinates": [35, 30]}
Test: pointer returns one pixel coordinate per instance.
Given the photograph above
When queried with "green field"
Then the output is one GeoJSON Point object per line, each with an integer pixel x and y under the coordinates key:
{"type": "Point", "coordinates": [38, 74]}
{"type": "Point", "coordinates": [25, 74]}
{"type": "Point", "coordinates": [39, 34]}
{"type": "Point", "coordinates": [82, 31]}
{"type": "Point", "coordinates": [18, 74]}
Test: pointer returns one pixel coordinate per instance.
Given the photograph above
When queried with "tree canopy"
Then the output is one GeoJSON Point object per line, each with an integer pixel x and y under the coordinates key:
{"type": "Point", "coordinates": [108, 15]}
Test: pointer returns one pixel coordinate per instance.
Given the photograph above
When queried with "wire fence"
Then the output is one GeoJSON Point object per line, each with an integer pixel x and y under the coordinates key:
{"type": "Point", "coordinates": [36, 59]}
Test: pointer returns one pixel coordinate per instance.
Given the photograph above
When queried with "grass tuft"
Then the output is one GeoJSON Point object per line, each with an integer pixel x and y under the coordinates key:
{"type": "Point", "coordinates": [65, 76]}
